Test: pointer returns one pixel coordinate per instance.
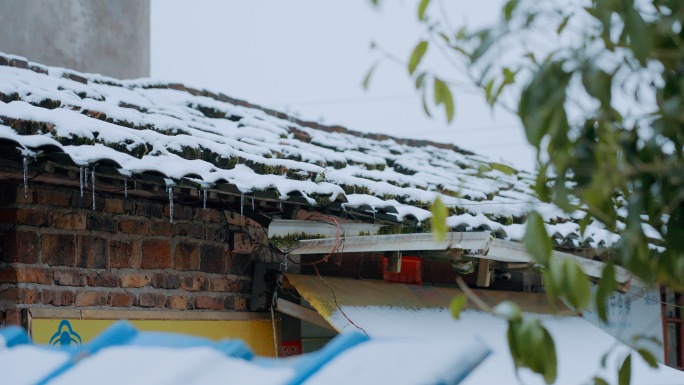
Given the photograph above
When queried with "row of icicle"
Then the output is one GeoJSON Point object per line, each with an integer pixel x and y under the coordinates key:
{"type": "Point", "coordinates": [83, 181]}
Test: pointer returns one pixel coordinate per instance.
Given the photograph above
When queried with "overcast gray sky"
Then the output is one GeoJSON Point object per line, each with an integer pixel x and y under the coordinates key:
{"type": "Point", "coordinates": [309, 57]}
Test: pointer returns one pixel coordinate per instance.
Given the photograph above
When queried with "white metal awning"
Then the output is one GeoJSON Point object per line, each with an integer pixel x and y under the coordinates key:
{"type": "Point", "coordinates": [475, 244]}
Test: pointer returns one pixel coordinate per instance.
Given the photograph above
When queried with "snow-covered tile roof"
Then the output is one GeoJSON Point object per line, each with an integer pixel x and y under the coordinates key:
{"type": "Point", "coordinates": [144, 126]}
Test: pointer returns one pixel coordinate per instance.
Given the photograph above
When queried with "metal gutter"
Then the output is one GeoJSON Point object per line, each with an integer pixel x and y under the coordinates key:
{"type": "Point", "coordinates": [284, 228]}
{"type": "Point", "coordinates": [473, 243]}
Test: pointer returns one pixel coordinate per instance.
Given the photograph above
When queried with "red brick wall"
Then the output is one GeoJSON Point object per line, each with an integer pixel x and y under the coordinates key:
{"type": "Point", "coordinates": [56, 251]}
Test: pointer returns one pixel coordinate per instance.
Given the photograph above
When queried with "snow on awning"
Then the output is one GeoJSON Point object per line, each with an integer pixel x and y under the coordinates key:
{"type": "Point", "coordinates": [392, 310]}
{"type": "Point", "coordinates": [122, 355]}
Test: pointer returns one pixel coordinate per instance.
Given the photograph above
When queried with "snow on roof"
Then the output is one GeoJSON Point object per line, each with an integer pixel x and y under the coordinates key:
{"type": "Point", "coordinates": [207, 139]}
{"type": "Point", "coordinates": [579, 344]}
{"type": "Point", "coordinates": [122, 355]}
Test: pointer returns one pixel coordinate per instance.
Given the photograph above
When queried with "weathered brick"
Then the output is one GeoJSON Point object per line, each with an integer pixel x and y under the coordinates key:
{"type": "Point", "coordinates": [131, 226]}
{"type": "Point", "coordinates": [19, 295]}
{"type": "Point", "coordinates": [58, 249]}
{"type": "Point", "coordinates": [242, 243]}
{"type": "Point", "coordinates": [102, 279]}
{"type": "Point", "coordinates": [20, 246]}
{"type": "Point", "coordinates": [57, 297]}
{"type": "Point", "coordinates": [155, 254]}
{"type": "Point", "coordinates": [181, 212]}
{"type": "Point", "coordinates": [122, 253]}
{"type": "Point", "coordinates": [69, 278]}
{"type": "Point", "coordinates": [121, 299]}
{"type": "Point", "coordinates": [209, 303]}
{"type": "Point", "coordinates": [229, 303]}
{"type": "Point", "coordinates": [34, 217]}
{"type": "Point", "coordinates": [165, 281]}
{"type": "Point", "coordinates": [152, 300]}
{"type": "Point", "coordinates": [81, 202]}
{"type": "Point", "coordinates": [25, 197]}
{"type": "Point", "coordinates": [52, 197]}
{"type": "Point", "coordinates": [162, 228]}
{"type": "Point", "coordinates": [91, 298]}
{"type": "Point", "coordinates": [149, 209]}
{"type": "Point", "coordinates": [240, 303]}
{"type": "Point", "coordinates": [216, 234]}
{"type": "Point", "coordinates": [8, 274]}
{"type": "Point", "coordinates": [135, 280]}
{"type": "Point", "coordinates": [13, 317]}
{"type": "Point", "coordinates": [194, 283]}
{"type": "Point", "coordinates": [69, 221]}
{"type": "Point", "coordinates": [178, 302]}
{"type": "Point", "coordinates": [234, 218]}
{"type": "Point", "coordinates": [190, 229]}
{"type": "Point", "coordinates": [210, 215]}
{"type": "Point", "coordinates": [114, 205]}
{"type": "Point", "coordinates": [97, 222]}
{"type": "Point", "coordinates": [222, 284]}
{"type": "Point", "coordinates": [92, 252]}
{"type": "Point", "coordinates": [186, 256]}
{"type": "Point", "coordinates": [213, 259]}
{"type": "Point", "coordinates": [27, 274]}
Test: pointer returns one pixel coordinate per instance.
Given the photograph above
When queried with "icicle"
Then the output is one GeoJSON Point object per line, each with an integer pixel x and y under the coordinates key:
{"type": "Point", "coordinates": [252, 202]}
{"type": "Point", "coordinates": [85, 180]}
{"type": "Point", "coordinates": [135, 184]}
{"type": "Point", "coordinates": [92, 181]}
{"type": "Point", "coordinates": [204, 199]}
{"type": "Point", "coordinates": [80, 179]}
{"type": "Point", "coordinates": [25, 176]}
{"type": "Point", "coordinates": [171, 204]}
{"type": "Point", "coordinates": [242, 203]}
{"type": "Point", "coordinates": [125, 186]}
{"type": "Point", "coordinates": [280, 205]}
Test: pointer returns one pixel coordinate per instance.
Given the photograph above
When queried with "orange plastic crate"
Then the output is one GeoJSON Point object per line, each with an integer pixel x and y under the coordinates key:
{"type": "Point", "coordinates": [411, 271]}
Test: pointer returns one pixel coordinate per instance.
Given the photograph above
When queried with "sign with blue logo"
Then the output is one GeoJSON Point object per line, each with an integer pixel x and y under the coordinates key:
{"type": "Point", "coordinates": [65, 336]}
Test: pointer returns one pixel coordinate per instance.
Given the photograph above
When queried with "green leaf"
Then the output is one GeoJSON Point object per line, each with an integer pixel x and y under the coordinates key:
{"type": "Point", "coordinates": [422, 7]}
{"type": "Point", "coordinates": [425, 106]}
{"type": "Point", "coordinates": [509, 75]}
{"type": "Point", "coordinates": [606, 287]}
{"type": "Point", "coordinates": [457, 305]}
{"type": "Point", "coordinates": [369, 74]}
{"type": "Point", "coordinates": [648, 357]}
{"type": "Point", "coordinates": [536, 240]}
{"type": "Point", "coordinates": [420, 79]}
{"type": "Point", "coordinates": [503, 168]}
{"type": "Point", "coordinates": [509, 8]}
{"type": "Point", "coordinates": [600, 381]}
{"type": "Point", "coordinates": [532, 347]}
{"type": "Point", "coordinates": [443, 96]}
{"type": "Point", "coordinates": [577, 288]}
{"type": "Point", "coordinates": [439, 215]}
{"type": "Point", "coordinates": [448, 104]}
{"type": "Point", "coordinates": [416, 56]}
{"type": "Point", "coordinates": [625, 372]}
{"type": "Point", "coordinates": [563, 24]}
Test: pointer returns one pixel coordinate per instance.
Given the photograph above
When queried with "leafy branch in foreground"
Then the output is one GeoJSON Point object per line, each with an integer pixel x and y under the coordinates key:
{"type": "Point", "coordinates": [597, 86]}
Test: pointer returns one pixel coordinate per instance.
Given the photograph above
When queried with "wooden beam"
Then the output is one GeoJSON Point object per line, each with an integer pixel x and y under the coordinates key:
{"type": "Point", "coordinates": [147, 315]}
{"type": "Point", "coordinates": [394, 262]}
{"type": "Point", "coordinates": [484, 275]}
{"type": "Point", "coordinates": [302, 313]}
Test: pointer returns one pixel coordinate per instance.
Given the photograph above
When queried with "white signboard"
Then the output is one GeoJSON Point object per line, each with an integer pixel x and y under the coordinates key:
{"type": "Point", "coordinates": [634, 313]}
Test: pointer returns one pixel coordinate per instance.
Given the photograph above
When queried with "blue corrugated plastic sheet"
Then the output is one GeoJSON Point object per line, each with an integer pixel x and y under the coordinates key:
{"type": "Point", "coordinates": [123, 333]}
